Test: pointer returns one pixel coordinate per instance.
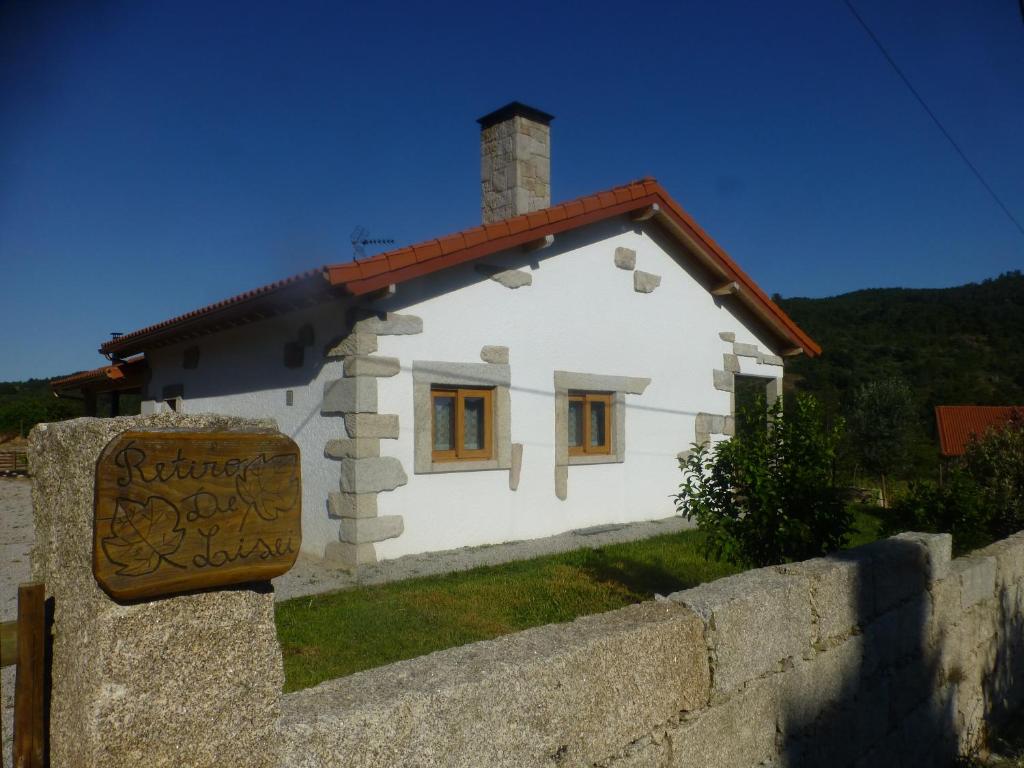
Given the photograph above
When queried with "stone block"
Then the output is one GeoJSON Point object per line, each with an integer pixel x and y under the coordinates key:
{"type": "Point", "coordinates": [945, 607]}
{"type": "Point", "coordinates": [916, 620]}
{"type": "Point", "coordinates": [645, 282]}
{"type": "Point", "coordinates": [352, 343]}
{"type": "Point", "coordinates": [390, 324]}
{"type": "Point", "coordinates": [731, 363]}
{"type": "Point", "coordinates": [939, 548]}
{"type": "Point", "coordinates": [184, 680]}
{"type": "Point", "coordinates": [495, 355]}
{"type": "Point", "coordinates": [717, 424]}
{"type": "Point", "coordinates": [366, 530]}
{"type": "Point", "coordinates": [880, 638]}
{"type": "Point", "coordinates": [766, 359]}
{"type": "Point", "coordinates": [702, 423]}
{"type": "Point", "coordinates": [724, 381]}
{"type": "Point", "coordinates": [840, 596]}
{"type": "Point", "coordinates": [926, 736]}
{"type": "Point", "coordinates": [630, 385]}
{"type": "Point", "coordinates": [562, 482]}
{"type": "Point", "coordinates": [510, 278]}
{"type": "Point", "coordinates": [353, 448]}
{"type": "Point", "coordinates": [727, 336]}
{"type": "Point", "coordinates": [568, 694]}
{"type": "Point", "coordinates": [625, 258]}
{"type": "Point", "coordinates": [372, 475]}
{"type": "Point", "coordinates": [730, 426]}
{"type": "Point", "coordinates": [977, 576]}
{"type": "Point", "coordinates": [911, 685]}
{"type": "Point", "coordinates": [371, 365]}
{"type": "Point", "coordinates": [641, 754]}
{"type": "Point", "coordinates": [463, 374]}
{"type": "Point", "coordinates": [517, 466]}
{"type": "Point", "coordinates": [737, 732]}
{"type": "Point", "coordinates": [342, 554]}
{"type": "Point", "coordinates": [761, 609]}
{"type": "Point", "coordinates": [901, 567]}
{"type": "Point", "coordinates": [379, 425]}
{"type": "Point", "coordinates": [1009, 555]}
{"type": "Point", "coordinates": [356, 505]}
{"type": "Point", "coordinates": [815, 685]}
{"type": "Point", "coordinates": [350, 396]}
{"type": "Point", "coordinates": [745, 350]}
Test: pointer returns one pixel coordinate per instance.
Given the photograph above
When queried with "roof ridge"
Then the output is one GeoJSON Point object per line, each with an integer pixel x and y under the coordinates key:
{"type": "Point", "coordinates": [643, 181]}
{"type": "Point", "coordinates": [360, 277]}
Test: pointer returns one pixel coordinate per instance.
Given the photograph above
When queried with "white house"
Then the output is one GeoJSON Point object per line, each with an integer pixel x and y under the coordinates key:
{"type": "Point", "coordinates": [536, 374]}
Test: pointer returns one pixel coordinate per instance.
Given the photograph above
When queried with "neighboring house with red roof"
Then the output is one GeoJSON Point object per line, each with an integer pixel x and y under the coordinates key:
{"type": "Point", "coordinates": [959, 424]}
{"type": "Point", "coordinates": [532, 375]}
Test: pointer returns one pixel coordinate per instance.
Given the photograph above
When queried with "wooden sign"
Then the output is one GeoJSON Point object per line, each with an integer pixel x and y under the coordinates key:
{"type": "Point", "coordinates": [178, 511]}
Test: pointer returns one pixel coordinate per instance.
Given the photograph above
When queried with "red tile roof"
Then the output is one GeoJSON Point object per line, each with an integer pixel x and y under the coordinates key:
{"type": "Point", "coordinates": [957, 424]}
{"type": "Point", "coordinates": [374, 273]}
{"type": "Point", "coordinates": [125, 373]}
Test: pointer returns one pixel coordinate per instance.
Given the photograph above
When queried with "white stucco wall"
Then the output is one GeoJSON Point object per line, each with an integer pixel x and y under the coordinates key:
{"type": "Point", "coordinates": [241, 372]}
{"type": "Point", "coordinates": [580, 314]}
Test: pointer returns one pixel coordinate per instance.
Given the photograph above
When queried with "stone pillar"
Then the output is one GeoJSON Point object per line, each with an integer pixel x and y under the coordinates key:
{"type": "Point", "coordinates": [192, 680]}
{"type": "Point", "coordinates": [515, 161]}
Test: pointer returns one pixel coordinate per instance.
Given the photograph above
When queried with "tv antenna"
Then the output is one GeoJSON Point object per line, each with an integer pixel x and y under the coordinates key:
{"type": "Point", "coordinates": [360, 241]}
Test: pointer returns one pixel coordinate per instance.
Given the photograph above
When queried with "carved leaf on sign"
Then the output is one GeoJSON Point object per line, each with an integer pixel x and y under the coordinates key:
{"type": "Point", "coordinates": [268, 486]}
{"type": "Point", "coordinates": [143, 535]}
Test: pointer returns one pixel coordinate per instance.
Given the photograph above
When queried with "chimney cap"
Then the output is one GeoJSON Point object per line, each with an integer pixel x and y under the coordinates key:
{"type": "Point", "coordinates": [515, 109]}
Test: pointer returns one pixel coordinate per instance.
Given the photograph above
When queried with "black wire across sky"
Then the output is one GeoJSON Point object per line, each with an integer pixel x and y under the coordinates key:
{"type": "Point", "coordinates": [934, 117]}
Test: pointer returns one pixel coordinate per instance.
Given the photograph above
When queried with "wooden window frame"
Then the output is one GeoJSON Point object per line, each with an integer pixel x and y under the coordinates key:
{"type": "Point", "coordinates": [587, 398]}
{"type": "Point", "coordinates": [460, 452]}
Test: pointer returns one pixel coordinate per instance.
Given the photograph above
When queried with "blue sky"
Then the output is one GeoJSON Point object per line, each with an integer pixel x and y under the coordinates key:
{"type": "Point", "coordinates": [156, 157]}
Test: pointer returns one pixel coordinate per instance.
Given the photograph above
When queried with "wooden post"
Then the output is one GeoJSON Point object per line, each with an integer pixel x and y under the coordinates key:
{"type": "Point", "coordinates": [29, 696]}
{"type": "Point", "coordinates": [8, 657]}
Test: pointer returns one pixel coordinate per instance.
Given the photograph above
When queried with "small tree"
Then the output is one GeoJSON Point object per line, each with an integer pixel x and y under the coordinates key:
{"type": "Point", "coordinates": [982, 496]}
{"type": "Point", "coordinates": [881, 417]}
{"type": "Point", "coordinates": [767, 497]}
{"type": "Point", "coordinates": [995, 461]}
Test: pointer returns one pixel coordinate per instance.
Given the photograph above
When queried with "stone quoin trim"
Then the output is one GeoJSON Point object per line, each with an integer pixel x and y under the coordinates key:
{"type": "Point", "coordinates": [619, 386]}
{"type": "Point", "coordinates": [363, 472]}
{"type": "Point", "coordinates": [625, 258]}
{"type": "Point", "coordinates": [645, 282]}
{"type": "Point", "coordinates": [724, 380]}
{"type": "Point", "coordinates": [427, 374]}
{"type": "Point", "coordinates": [510, 278]}
{"type": "Point", "coordinates": [494, 355]}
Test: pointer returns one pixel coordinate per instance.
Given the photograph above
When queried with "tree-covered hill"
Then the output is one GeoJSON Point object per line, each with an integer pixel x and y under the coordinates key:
{"type": "Point", "coordinates": [23, 404]}
{"type": "Point", "coordinates": [962, 345]}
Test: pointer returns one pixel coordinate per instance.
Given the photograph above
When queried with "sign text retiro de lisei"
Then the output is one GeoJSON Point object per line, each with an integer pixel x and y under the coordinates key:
{"type": "Point", "coordinates": [179, 511]}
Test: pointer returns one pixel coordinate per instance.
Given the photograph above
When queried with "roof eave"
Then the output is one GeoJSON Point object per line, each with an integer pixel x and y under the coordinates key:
{"type": "Point", "coordinates": [216, 317]}
{"type": "Point", "coordinates": [656, 204]}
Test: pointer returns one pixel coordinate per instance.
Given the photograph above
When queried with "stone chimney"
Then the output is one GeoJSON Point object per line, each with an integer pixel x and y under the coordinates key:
{"type": "Point", "coordinates": [515, 161]}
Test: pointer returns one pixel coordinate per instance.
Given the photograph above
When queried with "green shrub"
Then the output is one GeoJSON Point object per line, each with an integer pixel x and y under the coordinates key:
{"type": "Point", "coordinates": [769, 496]}
{"type": "Point", "coordinates": [954, 507]}
{"type": "Point", "coordinates": [981, 498]}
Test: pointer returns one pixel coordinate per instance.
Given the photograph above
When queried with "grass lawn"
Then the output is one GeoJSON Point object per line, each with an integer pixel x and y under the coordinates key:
{"type": "Point", "coordinates": [331, 635]}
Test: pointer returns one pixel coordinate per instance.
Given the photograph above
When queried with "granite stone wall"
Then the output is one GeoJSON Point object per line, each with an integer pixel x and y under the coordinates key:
{"type": "Point", "coordinates": [889, 654]}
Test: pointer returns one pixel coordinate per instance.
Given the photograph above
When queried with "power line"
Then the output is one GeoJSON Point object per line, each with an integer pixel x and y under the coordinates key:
{"type": "Point", "coordinates": [935, 119]}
